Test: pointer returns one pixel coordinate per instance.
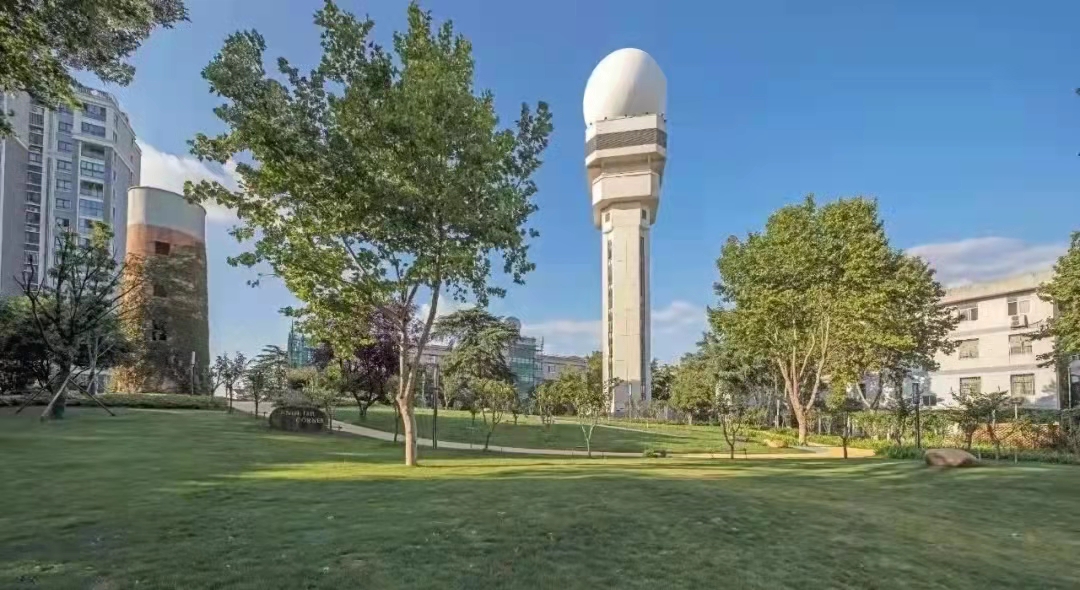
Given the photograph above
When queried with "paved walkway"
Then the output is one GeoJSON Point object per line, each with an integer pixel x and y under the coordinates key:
{"type": "Point", "coordinates": [815, 452]}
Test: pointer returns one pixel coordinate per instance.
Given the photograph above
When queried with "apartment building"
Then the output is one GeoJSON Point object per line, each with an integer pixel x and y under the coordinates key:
{"type": "Point", "coordinates": [995, 350]}
{"type": "Point", "coordinates": [526, 359]}
{"type": "Point", "coordinates": [61, 170]}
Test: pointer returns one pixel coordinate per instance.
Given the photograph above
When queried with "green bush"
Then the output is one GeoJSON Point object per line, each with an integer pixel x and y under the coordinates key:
{"type": "Point", "coordinates": [987, 454]}
{"type": "Point", "coordinates": [655, 453]}
{"type": "Point", "coordinates": [171, 401]}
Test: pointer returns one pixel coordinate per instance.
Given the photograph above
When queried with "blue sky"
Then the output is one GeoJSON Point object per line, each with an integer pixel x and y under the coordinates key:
{"type": "Point", "coordinates": [959, 117]}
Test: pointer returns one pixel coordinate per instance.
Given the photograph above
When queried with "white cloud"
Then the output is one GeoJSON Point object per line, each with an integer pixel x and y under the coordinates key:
{"type": "Point", "coordinates": [675, 330]}
{"type": "Point", "coordinates": [170, 171]}
{"type": "Point", "coordinates": [982, 259]}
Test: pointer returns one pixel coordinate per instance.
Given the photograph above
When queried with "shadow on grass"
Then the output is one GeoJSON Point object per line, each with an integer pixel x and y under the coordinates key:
{"type": "Point", "coordinates": [217, 501]}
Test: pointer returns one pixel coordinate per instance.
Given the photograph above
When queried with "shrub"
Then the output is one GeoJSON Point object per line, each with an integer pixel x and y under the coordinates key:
{"type": "Point", "coordinates": [987, 454]}
{"type": "Point", "coordinates": [655, 453]}
{"type": "Point", "coordinates": [171, 401]}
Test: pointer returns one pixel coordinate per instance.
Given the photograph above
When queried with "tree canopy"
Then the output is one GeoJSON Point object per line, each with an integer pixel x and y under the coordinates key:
{"type": "Point", "coordinates": [41, 42]}
{"type": "Point", "coordinates": [1063, 290]}
{"type": "Point", "coordinates": [380, 175]}
{"type": "Point", "coordinates": [821, 294]}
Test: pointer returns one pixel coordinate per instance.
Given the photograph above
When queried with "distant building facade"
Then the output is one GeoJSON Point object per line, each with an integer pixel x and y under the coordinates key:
{"type": "Point", "coordinates": [530, 365]}
{"type": "Point", "coordinates": [995, 350]}
{"type": "Point", "coordinates": [61, 170]}
{"type": "Point", "coordinates": [300, 349]}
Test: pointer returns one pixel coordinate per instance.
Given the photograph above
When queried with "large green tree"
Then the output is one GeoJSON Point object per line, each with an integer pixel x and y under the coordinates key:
{"type": "Point", "coordinates": [1063, 290]}
{"type": "Point", "coordinates": [41, 41]}
{"type": "Point", "coordinates": [479, 342]}
{"type": "Point", "coordinates": [380, 175]}
{"type": "Point", "coordinates": [693, 386]}
{"type": "Point", "coordinates": [821, 294]}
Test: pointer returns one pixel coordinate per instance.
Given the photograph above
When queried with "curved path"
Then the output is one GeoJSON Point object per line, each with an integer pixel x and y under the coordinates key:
{"type": "Point", "coordinates": [816, 452]}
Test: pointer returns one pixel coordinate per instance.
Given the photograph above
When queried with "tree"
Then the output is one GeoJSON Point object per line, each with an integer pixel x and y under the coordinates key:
{"type": "Point", "coordinates": [976, 408]}
{"type": "Point", "coordinates": [41, 41]}
{"type": "Point", "coordinates": [229, 372]}
{"type": "Point", "coordinates": [273, 363]}
{"type": "Point", "coordinates": [1063, 290]}
{"type": "Point", "coordinates": [815, 294]}
{"type": "Point", "coordinates": [548, 399]}
{"type": "Point", "coordinates": [75, 309]}
{"type": "Point", "coordinates": [479, 342]}
{"type": "Point", "coordinates": [380, 176]}
{"type": "Point", "coordinates": [663, 375]}
{"type": "Point", "coordinates": [258, 378]}
{"type": "Point", "coordinates": [840, 407]}
{"type": "Point", "coordinates": [693, 386]}
{"type": "Point", "coordinates": [589, 403]}
{"type": "Point", "coordinates": [24, 358]}
{"type": "Point", "coordinates": [495, 398]}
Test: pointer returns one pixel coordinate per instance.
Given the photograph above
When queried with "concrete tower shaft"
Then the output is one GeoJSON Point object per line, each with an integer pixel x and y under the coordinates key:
{"type": "Point", "coordinates": [625, 156]}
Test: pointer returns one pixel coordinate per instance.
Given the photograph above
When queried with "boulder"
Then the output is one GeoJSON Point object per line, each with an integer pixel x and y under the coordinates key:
{"type": "Point", "coordinates": [950, 458]}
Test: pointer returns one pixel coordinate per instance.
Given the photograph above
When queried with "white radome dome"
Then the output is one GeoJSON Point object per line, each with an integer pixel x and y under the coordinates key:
{"type": "Point", "coordinates": [626, 83]}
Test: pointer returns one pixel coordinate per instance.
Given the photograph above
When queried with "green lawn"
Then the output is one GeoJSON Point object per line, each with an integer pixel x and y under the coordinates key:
{"type": "Point", "coordinates": [194, 500]}
{"type": "Point", "coordinates": [458, 426]}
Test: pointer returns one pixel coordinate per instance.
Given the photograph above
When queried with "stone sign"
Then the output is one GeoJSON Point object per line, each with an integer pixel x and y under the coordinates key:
{"type": "Point", "coordinates": [299, 419]}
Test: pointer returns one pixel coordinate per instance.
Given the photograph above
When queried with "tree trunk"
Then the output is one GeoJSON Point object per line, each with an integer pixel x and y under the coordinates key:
{"type": "Point", "coordinates": [408, 424]}
{"type": "Point", "coordinates": [800, 417]}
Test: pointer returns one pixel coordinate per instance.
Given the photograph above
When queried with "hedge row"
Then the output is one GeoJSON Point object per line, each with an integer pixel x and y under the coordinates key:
{"type": "Point", "coordinates": [1008, 455]}
{"type": "Point", "coordinates": [170, 401]}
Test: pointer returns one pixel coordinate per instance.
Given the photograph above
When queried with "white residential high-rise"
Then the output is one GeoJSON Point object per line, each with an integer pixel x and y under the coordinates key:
{"type": "Point", "coordinates": [625, 153]}
{"type": "Point", "coordinates": [61, 171]}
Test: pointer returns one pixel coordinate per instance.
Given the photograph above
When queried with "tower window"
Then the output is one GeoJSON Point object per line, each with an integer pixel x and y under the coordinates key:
{"type": "Point", "coordinates": [157, 332]}
{"type": "Point", "coordinates": [161, 248]}
{"type": "Point", "coordinates": [159, 290]}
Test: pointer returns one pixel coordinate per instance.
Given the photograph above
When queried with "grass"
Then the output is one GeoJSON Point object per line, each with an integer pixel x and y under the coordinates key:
{"type": "Point", "coordinates": [194, 500]}
{"type": "Point", "coordinates": [458, 426]}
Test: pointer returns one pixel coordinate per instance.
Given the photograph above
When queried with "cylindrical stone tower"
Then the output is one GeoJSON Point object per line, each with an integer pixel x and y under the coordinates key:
{"type": "Point", "coordinates": [168, 316]}
{"type": "Point", "coordinates": [625, 153]}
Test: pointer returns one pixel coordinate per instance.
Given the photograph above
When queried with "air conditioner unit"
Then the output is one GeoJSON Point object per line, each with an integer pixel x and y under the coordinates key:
{"type": "Point", "coordinates": [1019, 321]}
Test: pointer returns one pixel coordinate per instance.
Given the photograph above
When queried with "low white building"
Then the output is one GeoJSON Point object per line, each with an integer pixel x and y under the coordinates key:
{"type": "Point", "coordinates": [995, 350]}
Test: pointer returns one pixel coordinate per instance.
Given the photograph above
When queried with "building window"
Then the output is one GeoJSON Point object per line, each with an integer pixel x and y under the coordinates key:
{"type": "Point", "coordinates": [95, 112]}
{"type": "Point", "coordinates": [969, 349]}
{"type": "Point", "coordinates": [63, 127]}
{"type": "Point", "coordinates": [33, 217]}
{"type": "Point", "coordinates": [607, 216]}
{"type": "Point", "coordinates": [157, 332]}
{"type": "Point", "coordinates": [91, 189]}
{"type": "Point", "coordinates": [34, 157]}
{"type": "Point", "coordinates": [968, 313]}
{"type": "Point", "coordinates": [37, 118]}
{"type": "Point", "coordinates": [37, 138]}
{"type": "Point", "coordinates": [92, 169]}
{"type": "Point", "coordinates": [1019, 344]}
{"type": "Point", "coordinates": [88, 208]}
{"type": "Point", "coordinates": [159, 290]}
{"type": "Point", "coordinates": [33, 177]}
{"type": "Point", "coordinates": [161, 248]}
{"type": "Point", "coordinates": [970, 385]}
{"type": "Point", "coordinates": [63, 165]}
{"type": "Point", "coordinates": [1018, 305]}
{"type": "Point", "coordinates": [86, 225]}
{"type": "Point", "coordinates": [63, 222]}
{"type": "Point", "coordinates": [32, 237]}
{"type": "Point", "coordinates": [929, 400]}
{"type": "Point", "coordinates": [65, 146]}
{"type": "Point", "coordinates": [63, 203]}
{"type": "Point", "coordinates": [1022, 385]}
{"type": "Point", "coordinates": [63, 185]}
{"type": "Point", "coordinates": [91, 129]}
{"type": "Point", "coordinates": [93, 150]}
